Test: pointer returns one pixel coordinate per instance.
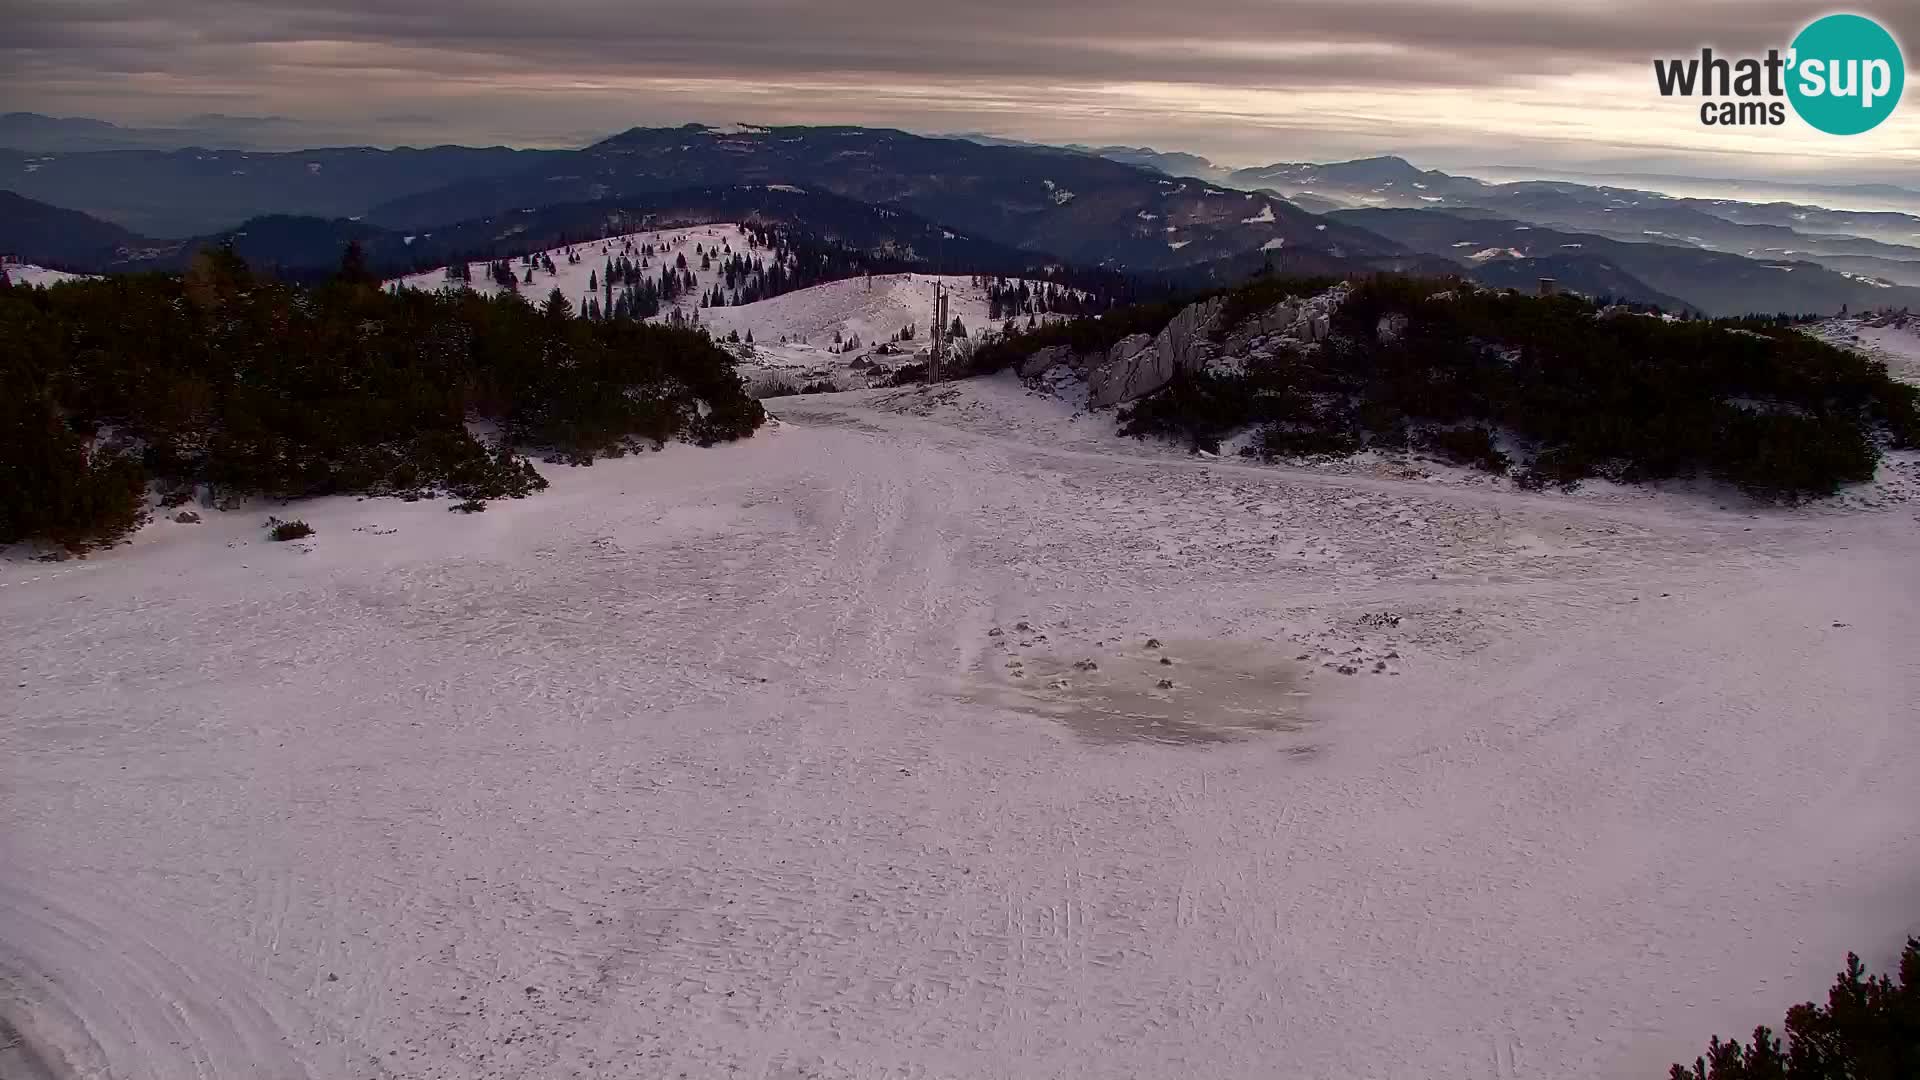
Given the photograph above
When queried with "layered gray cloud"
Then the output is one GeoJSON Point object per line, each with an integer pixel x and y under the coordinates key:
{"type": "Point", "coordinates": [1217, 71]}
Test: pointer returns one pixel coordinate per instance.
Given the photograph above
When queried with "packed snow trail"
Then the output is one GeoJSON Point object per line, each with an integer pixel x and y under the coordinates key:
{"type": "Point", "coordinates": [678, 768]}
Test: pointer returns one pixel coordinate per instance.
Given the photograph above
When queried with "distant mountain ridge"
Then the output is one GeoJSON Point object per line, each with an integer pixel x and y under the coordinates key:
{"type": "Point", "coordinates": [1080, 207]}
{"type": "Point", "coordinates": [1374, 174]}
{"type": "Point", "coordinates": [1125, 208]}
{"type": "Point", "coordinates": [38, 133]}
{"type": "Point", "coordinates": [194, 191]}
{"type": "Point", "coordinates": [1713, 282]}
{"type": "Point", "coordinates": [301, 246]}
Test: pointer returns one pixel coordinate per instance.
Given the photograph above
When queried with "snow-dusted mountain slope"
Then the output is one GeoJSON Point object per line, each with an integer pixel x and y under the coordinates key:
{"type": "Point", "coordinates": [572, 278]}
{"type": "Point", "coordinates": [29, 274]}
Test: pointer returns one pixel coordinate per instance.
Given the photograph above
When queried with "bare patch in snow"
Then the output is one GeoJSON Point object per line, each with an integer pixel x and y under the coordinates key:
{"type": "Point", "coordinates": [1179, 692]}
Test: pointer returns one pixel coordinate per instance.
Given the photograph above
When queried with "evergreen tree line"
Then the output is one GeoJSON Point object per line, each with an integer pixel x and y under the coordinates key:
{"type": "Point", "coordinates": [1017, 298]}
{"type": "Point", "coordinates": [224, 385]}
{"type": "Point", "coordinates": [1869, 1029]}
{"type": "Point", "coordinates": [1624, 397]}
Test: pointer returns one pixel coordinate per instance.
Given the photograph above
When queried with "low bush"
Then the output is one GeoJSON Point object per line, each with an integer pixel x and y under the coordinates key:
{"type": "Point", "coordinates": [907, 375]}
{"type": "Point", "coordinates": [1471, 446]}
{"type": "Point", "coordinates": [287, 530]}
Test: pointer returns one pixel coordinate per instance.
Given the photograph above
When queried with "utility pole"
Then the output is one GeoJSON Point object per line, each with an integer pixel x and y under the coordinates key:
{"type": "Point", "coordinates": [936, 364]}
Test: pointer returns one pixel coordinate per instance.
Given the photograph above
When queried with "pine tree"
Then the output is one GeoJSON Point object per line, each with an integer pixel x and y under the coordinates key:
{"type": "Point", "coordinates": [353, 266]}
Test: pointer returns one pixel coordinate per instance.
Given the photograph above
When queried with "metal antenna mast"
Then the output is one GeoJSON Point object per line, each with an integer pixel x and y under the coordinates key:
{"type": "Point", "coordinates": [936, 364]}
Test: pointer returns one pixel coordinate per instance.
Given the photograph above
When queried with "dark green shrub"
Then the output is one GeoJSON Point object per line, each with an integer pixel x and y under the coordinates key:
{"type": "Point", "coordinates": [1281, 441]}
{"type": "Point", "coordinates": [1471, 446]}
{"type": "Point", "coordinates": [907, 375]}
{"type": "Point", "coordinates": [287, 530]}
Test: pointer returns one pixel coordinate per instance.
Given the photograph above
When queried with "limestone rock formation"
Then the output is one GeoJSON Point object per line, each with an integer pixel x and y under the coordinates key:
{"type": "Point", "coordinates": [1039, 363]}
{"type": "Point", "coordinates": [1134, 366]}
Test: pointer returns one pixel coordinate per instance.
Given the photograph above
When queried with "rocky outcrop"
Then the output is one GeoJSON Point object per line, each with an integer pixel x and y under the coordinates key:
{"type": "Point", "coordinates": [1041, 362]}
{"type": "Point", "coordinates": [1185, 340]}
{"type": "Point", "coordinates": [1139, 365]}
{"type": "Point", "coordinates": [1134, 366]}
{"type": "Point", "coordinates": [1292, 323]}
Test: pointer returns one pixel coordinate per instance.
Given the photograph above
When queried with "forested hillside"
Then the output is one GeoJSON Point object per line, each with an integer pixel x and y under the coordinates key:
{"type": "Point", "coordinates": [222, 386]}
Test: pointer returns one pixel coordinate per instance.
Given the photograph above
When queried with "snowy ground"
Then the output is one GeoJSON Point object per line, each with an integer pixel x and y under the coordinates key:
{"type": "Point", "coordinates": [780, 760]}
{"type": "Point", "coordinates": [794, 334]}
{"type": "Point", "coordinates": [572, 279]}
{"type": "Point", "coordinates": [1895, 341]}
{"type": "Point", "coordinates": [29, 274]}
{"type": "Point", "coordinates": [875, 309]}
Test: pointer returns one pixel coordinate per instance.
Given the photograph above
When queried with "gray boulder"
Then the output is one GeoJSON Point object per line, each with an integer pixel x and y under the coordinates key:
{"type": "Point", "coordinates": [1134, 366]}
{"type": "Point", "coordinates": [1038, 364]}
{"type": "Point", "coordinates": [1139, 365]}
{"type": "Point", "coordinates": [1184, 341]}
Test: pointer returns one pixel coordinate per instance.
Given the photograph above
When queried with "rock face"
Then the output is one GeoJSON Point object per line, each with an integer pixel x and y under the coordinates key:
{"type": "Point", "coordinates": [1292, 323]}
{"type": "Point", "coordinates": [1133, 367]}
{"type": "Point", "coordinates": [1139, 365]}
{"type": "Point", "coordinates": [1039, 363]}
{"type": "Point", "coordinates": [1184, 340]}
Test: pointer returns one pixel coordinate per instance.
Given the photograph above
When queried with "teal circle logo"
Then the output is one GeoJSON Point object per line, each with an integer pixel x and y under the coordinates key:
{"type": "Point", "coordinates": [1847, 74]}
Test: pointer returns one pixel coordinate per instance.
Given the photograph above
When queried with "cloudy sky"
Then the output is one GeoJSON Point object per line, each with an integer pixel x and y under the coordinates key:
{"type": "Point", "coordinates": [1450, 83]}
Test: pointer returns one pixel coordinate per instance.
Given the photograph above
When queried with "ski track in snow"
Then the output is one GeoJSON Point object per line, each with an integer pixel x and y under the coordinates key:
{"type": "Point", "coordinates": [667, 772]}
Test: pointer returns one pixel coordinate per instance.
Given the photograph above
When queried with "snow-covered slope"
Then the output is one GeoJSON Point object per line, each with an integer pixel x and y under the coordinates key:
{"type": "Point", "coordinates": [1893, 339]}
{"type": "Point", "coordinates": [838, 753]}
{"type": "Point", "coordinates": [873, 308]}
{"type": "Point", "coordinates": [798, 332]}
{"type": "Point", "coordinates": [29, 274]}
{"type": "Point", "coordinates": [572, 278]}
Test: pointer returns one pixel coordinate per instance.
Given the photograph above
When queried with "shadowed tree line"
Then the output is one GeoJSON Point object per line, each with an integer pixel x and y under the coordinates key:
{"type": "Point", "coordinates": [1554, 389]}
{"type": "Point", "coordinates": [220, 384]}
{"type": "Point", "coordinates": [1869, 1029]}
